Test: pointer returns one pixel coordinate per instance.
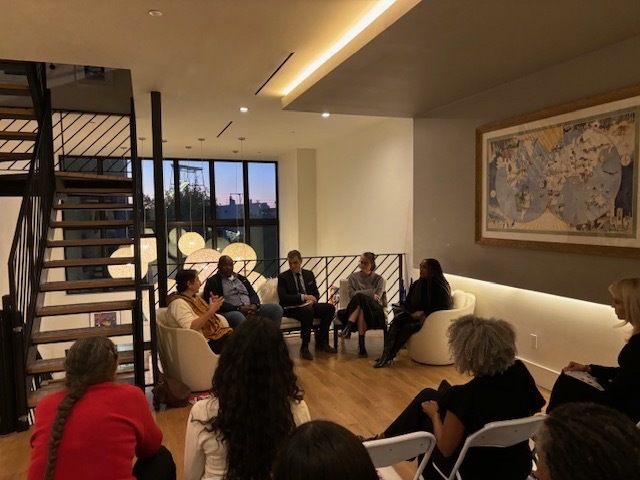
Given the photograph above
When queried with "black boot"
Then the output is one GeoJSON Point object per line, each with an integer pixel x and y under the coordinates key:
{"type": "Point", "coordinates": [346, 331]}
{"type": "Point", "coordinates": [362, 351]}
{"type": "Point", "coordinates": [386, 358]}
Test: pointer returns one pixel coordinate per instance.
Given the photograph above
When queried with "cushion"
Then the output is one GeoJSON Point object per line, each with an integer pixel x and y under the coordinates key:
{"type": "Point", "coordinates": [268, 291]}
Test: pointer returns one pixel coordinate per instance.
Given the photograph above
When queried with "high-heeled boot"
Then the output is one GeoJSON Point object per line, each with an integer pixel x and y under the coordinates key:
{"type": "Point", "coordinates": [385, 359]}
{"type": "Point", "coordinates": [362, 351]}
{"type": "Point", "coordinates": [346, 331]}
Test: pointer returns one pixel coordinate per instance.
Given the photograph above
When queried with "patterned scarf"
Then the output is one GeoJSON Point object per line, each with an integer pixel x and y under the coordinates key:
{"type": "Point", "coordinates": [212, 329]}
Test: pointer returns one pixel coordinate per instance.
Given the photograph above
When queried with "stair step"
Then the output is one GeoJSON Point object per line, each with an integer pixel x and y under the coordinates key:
{"type": "Point", "coordinates": [17, 113]}
{"type": "Point", "coordinates": [13, 65]}
{"type": "Point", "coordinates": [86, 262]}
{"type": "Point", "coordinates": [92, 177]}
{"type": "Point", "coordinates": [94, 206]}
{"type": "Point", "coordinates": [89, 192]}
{"type": "Point", "coordinates": [87, 284]}
{"type": "Point", "coordinates": [53, 386]}
{"type": "Point", "coordinates": [51, 365]}
{"type": "Point", "coordinates": [14, 89]}
{"type": "Point", "coordinates": [22, 136]}
{"type": "Point", "coordinates": [89, 242]}
{"type": "Point", "coordinates": [95, 224]}
{"type": "Point", "coordinates": [71, 334]}
{"type": "Point", "coordinates": [56, 310]}
{"type": "Point", "coordinates": [14, 157]}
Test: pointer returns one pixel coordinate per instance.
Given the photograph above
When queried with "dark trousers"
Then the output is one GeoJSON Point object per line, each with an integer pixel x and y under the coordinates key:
{"type": "Point", "coordinates": [158, 467]}
{"type": "Point", "coordinates": [305, 316]}
{"type": "Point", "coordinates": [400, 330]}
{"type": "Point", "coordinates": [569, 389]}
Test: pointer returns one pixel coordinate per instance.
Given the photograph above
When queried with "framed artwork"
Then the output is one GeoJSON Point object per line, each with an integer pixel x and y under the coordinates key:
{"type": "Point", "coordinates": [92, 75]}
{"type": "Point", "coordinates": [105, 319]}
{"type": "Point", "coordinates": [562, 179]}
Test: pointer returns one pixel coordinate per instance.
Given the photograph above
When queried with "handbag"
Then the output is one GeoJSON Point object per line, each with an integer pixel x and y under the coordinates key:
{"type": "Point", "coordinates": [170, 392]}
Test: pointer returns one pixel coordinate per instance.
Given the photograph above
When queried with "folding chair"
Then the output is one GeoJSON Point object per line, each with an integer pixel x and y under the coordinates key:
{"type": "Point", "coordinates": [388, 451]}
{"type": "Point", "coordinates": [496, 434]}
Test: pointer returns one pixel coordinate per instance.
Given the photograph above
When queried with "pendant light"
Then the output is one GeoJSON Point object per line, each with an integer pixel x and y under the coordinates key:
{"type": "Point", "coordinates": [190, 241]}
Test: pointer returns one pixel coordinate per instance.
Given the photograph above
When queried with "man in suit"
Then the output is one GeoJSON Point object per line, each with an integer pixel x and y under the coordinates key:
{"type": "Point", "coordinates": [299, 295]}
{"type": "Point", "coordinates": [240, 299]}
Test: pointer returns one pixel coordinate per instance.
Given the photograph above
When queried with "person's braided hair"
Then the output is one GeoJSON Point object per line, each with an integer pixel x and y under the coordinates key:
{"type": "Point", "coordinates": [89, 361]}
{"type": "Point", "coordinates": [589, 442]}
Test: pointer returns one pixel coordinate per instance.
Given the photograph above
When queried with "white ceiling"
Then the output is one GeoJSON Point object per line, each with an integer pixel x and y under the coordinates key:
{"type": "Point", "coordinates": [208, 57]}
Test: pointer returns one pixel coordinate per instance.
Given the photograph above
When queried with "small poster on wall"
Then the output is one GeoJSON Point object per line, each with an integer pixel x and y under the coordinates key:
{"type": "Point", "coordinates": [105, 319]}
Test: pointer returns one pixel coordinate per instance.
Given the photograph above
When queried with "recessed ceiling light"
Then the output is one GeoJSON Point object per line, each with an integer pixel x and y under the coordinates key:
{"type": "Point", "coordinates": [155, 13]}
{"type": "Point", "coordinates": [326, 114]}
{"type": "Point", "coordinates": [244, 109]}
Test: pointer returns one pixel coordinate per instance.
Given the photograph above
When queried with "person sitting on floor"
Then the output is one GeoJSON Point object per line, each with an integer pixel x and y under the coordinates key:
{"type": "Point", "coordinates": [186, 309]}
{"type": "Point", "coordinates": [321, 450]}
{"type": "Point", "coordinates": [367, 300]}
{"type": "Point", "coordinates": [501, 389]}
{"type": "Point", "coordinates": [94, 427]}
{"type": "Point", "coordinates": [616, 387]}
{"type": "Point", "coordinates": [255, 404]}
{"type": "Point", "coordinates": [240, 299]}
{"type": "Point", "coordinates": [587, 441]}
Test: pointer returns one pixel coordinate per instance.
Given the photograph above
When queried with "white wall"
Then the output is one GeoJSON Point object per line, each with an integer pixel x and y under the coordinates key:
{"type": "Point", "coordinates": [10, 207]}
{"type": "Point", "coordinates": [364, 190]}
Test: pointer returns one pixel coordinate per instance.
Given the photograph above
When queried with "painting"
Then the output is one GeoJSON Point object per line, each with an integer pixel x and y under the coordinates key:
{"type": "Point", "coordinates": [105, 319]}
{"type": "Point", "coordinates": [563, 179]}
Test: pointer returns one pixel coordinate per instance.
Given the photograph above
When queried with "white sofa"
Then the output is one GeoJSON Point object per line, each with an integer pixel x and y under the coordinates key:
{"type": "Point", "coordinates": [430, 344]}
{"type": "Point", "coordinates": [185, 354]}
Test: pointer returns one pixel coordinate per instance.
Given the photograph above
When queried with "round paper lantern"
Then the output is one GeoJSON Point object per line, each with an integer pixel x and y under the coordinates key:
{"type": "Point", "coordinates": [124, 270]}
{"type": "Point", "coordinates": [205, 261]}
{"type": "Point", "coordinates": [190, 242]}
{"type": "Point", "coordinates": [171, 284]}
{"type": "Point", "coordinates": [244, 254]}
{"type": "Point", "coordinates": [256, 280]}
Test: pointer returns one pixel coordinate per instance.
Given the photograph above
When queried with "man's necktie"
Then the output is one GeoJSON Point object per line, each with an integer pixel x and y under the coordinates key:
{"type": "Point", "coordinates": [299, 281]}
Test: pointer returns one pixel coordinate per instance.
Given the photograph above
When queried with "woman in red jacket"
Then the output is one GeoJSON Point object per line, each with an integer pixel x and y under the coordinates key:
{"type": "Point", "coordinates": [95, 427]}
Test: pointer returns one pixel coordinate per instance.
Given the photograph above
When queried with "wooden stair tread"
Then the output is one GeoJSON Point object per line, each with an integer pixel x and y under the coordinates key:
{"type": "Point", "coordinates": [57, 364]}
{"type": "Point", "coordinates": [55, 310]}
{"type": "Point", "coordinates": [14, 157]}
{"type": "Point", "coordinates": [53, 386]}
{"type": "Point", "coordinates": [21, 136]}
{"type": "Point", "coordinates": [86, 262]}
{"type": "Point", "coordinates": [93, 206]}
{"type": "Point", "coordinates": [89, 242]}
{"type": "Point", "coordinates": [14, 89]}
{"type": "Point", "coordinates": [95, 224]}
{"type": "Point", "coordinates": [87, 284]}
{"type": "Point", "coordinates": [92, 177]}
{"type": "Point", "coordinates": [89, 192]}
{"type": "Point", "coordinates": [17, 113]}
{"type": "Point", "coordinates": [71, 334]}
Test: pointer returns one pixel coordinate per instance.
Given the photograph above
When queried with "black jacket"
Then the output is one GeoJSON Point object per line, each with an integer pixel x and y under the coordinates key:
{"type": "Point", "coordinates": [288, 290]}
{"type": "Point", "coordinates": [214, 284]}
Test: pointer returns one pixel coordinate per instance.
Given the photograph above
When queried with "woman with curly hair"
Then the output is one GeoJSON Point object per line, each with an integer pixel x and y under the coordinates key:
{"type": "Point", "coordinates": [587, 441]}
{"type": "Point", "coordinates": [321, 450]}
{"type": "Point", "coordinates": [255, 404]}
{"type": "Point", "coordinates": [501, 389]}
{"type": "Point", "coordinates": [430, 293]}
{"type": "Point", "coordinates": [616, 387]}
{"type": "Point", "coordinates": [94, 427]}
{"type": "Point", "coordinates": [367, 300]}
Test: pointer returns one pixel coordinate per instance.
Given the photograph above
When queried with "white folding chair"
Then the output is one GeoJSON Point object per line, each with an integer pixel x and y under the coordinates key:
{"type": "Point", "coordinates": [388, 451]}
{"type": "Point", "coordinates": [496, 434]}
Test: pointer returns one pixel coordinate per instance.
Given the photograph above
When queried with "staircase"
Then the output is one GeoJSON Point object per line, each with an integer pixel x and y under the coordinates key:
{"type": "Point", "coordinates": [70, 223]}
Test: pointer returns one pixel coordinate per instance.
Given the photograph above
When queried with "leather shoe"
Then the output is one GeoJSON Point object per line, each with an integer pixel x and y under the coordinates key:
{"type": "Point", "coordinates": [305, 354]}
{"type": "Point", "coordinates": [325, 347]}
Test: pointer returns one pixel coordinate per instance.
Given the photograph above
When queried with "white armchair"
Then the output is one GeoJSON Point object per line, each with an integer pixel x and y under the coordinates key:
{"type": "Point", "coordinates": [185, 354]}
{"type": "Point", "coordinates": [430, 345]}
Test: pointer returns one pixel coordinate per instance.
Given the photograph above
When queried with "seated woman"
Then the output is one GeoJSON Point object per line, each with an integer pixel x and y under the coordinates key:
{"type": "Point", "coordinates": [589, 442]}
{"type": "Point", "coordinates": [186, 309]}
{"type": "Point", "coordinates": [94, 427]}
{"type": "Point", "coordinates": [501, 389]}
{"type": "Point", "coordinates": [256, 403]}
{"type": "Point", "coordinates": [616, 387]}
{"type": "Point", "coordinates": [321, 450]}
{"type": "Point", "coordinates": [366, 302]}
{"type": "Point", "coordinates": [430, 293]}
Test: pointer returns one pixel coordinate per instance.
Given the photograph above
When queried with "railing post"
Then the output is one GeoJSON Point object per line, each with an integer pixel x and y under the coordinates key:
{"type": "Point", "coordinates": [8, 416]}
{"type": "Point", "coordinates": [19, 364]}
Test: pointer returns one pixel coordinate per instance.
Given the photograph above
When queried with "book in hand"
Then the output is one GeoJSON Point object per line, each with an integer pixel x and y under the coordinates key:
{"type": "Point", "coordinates": [297, 306]}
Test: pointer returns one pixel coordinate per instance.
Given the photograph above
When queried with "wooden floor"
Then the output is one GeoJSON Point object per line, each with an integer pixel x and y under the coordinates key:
{"type": "Point", "coordinates": [343, 388]}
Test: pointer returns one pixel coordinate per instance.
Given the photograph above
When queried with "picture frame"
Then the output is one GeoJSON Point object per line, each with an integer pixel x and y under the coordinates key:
{"type": "Point", "coordinates": [104, 319]}
{"type": "Point", "coordinates": [93, 75]}
{"type": "Point", "coordinates": [563, 178]}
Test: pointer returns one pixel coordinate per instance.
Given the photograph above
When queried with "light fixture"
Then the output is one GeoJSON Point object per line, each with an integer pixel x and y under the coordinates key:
{"type": "Point", "coordinates": [190, 241]}
{"type": "Point", "coordinates": [155, 13]}
{"type": "Point", "coordinates": [205, 261]}
{"type": "Point", "coordinates": [367, 20]}
{"type": "Point", "coordinates": [256, 280]}
{"type": "Point", "coordinates": [241, 252]}
{"type": "Point", "coordinates": [125, 270]}
{"type": "Point", "coordinates": [326, 115]}
{"type": "Point", "coordinates": [244, 109]}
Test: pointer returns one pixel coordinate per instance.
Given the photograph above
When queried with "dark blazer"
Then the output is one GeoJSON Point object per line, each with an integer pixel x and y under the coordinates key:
{"type": "Point", "coordinates": [288, 290]}
{"type": "Point", "coordinates": [214, 284]}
